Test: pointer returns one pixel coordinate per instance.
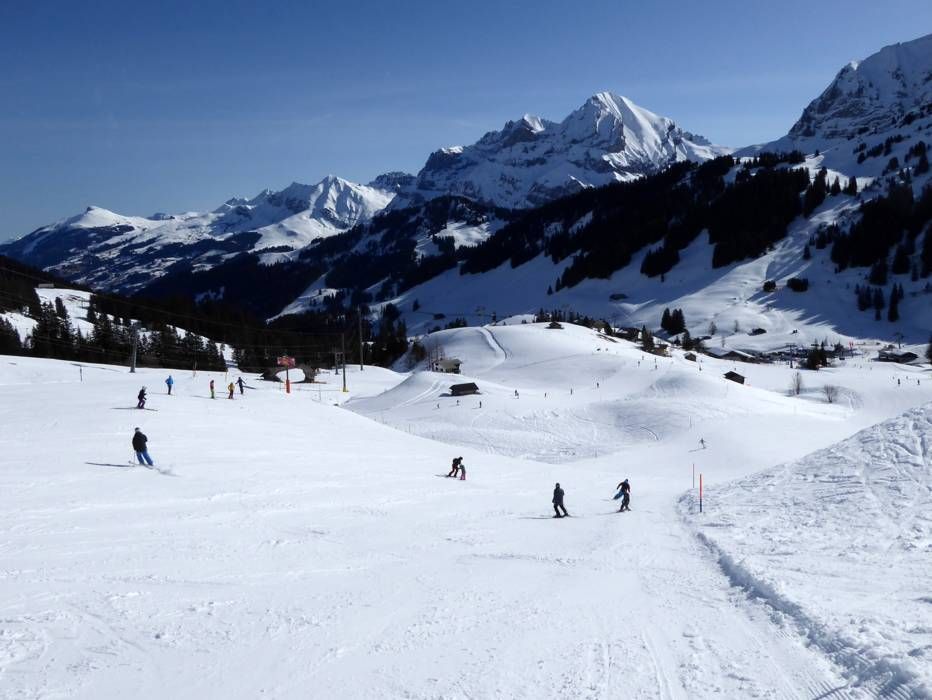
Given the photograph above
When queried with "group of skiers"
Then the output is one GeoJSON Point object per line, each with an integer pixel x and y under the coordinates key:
{"type": "Point", "coordinates": [139, 438]}
{"type": "Point", "coordinates": [624, 493]}
{"type": "Point", "coordinates": [170, 382]}
{"type": "Point", "coordinates": [559, 510]}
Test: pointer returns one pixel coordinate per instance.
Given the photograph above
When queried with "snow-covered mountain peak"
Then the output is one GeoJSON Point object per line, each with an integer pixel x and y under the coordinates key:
{"type": "Point", "coordinates": [872, 120]}
{"type": "Point", "coordinates": [532, 160]}
{"type": "Point", "coordinates": [871, 94]}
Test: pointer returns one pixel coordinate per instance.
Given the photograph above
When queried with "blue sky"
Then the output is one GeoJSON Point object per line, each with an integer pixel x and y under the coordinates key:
{"type": "Point", "coordinates": [174, 107]}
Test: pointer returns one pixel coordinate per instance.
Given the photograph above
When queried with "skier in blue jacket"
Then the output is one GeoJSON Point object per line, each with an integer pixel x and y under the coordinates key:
{"type": "Point", "coordinates": [169, 382]}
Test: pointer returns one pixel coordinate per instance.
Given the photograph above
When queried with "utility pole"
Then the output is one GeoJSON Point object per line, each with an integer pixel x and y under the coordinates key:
{"type": "Point", "coordinates": [132, 362]}
{"type": "Point", "coordinates": [361, 346]}
{"type": "Point", "coordinates": [343, 358]}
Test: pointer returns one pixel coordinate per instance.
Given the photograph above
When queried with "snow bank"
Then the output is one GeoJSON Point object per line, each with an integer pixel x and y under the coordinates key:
{"type": "Point", "coordinates": [840, 542]}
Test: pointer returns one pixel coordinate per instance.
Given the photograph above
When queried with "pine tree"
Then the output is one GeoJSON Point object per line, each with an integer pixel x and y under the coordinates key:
{"type": "Point", "coordinates": [929, 350]}
{"type": "Point", "coordinates": [677, 322]}
{"type": "Point", "coordinates": [665, 320]}
{"type": "Point", "coordinates": [647, 340]}
{"type": "Point", "coordinates": [878, 273]}
{"type": "Point", "coordinates": [807, 254]}
{"type": "Point", "coordinates": [878, 303]}
{"type": "Point", "coordinates": [836, 187]}
{"type": "Point", "coordinates": [852, 187]}
{"type": "Point", "coordinates": [10, 343]}
{"type": "Point", "coordinates": [900, 260]}
{"type": "Point", "coordinates": [815, 193]}
{"type": "Point", "coordinates": [893, 310]}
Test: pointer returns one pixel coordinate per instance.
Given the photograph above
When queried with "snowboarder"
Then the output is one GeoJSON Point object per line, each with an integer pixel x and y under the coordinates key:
{"type": "Point", "coordinates": [625, 490]}
{"type": "Point", "coordinates": [462, 470]}
{"type": "Point", "coordinates": [558, 502]}
{"type": "Point", "coordinates": [241, 384]}
{"type": "Point", "coordinates": [141, 396]}
{"type": "Point", "coordinates": [212, 395]}
{"type": "Point", "coordinates": [516, 393]}
{"type": "Point", "coordinates": [454, 470]}
{"type": "Point", "coordinates": [139, 445]}
{"type": "Point", "coordinates": [169, 383]}
{"type": "Point", "coordinates": [702, 443]}
{"type": "Point", "coordinates": [230, 389]}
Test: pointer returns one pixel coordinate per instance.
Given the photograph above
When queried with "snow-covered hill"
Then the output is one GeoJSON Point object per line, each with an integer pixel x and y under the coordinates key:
{"type": "Point", "coordinates": [532, 161]}
{"type": "Point", "coordinates": [116, 252]}
{"type": "Point", "coordinates": [260, 560]}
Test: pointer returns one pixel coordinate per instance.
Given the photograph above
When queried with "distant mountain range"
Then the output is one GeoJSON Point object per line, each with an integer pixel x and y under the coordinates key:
{"type": "Point", "coordinates": [519, 220]}
{"type": "Point", "coordinates": [527, 163]}
{"type": "Point", "coordinates": [111, 251]}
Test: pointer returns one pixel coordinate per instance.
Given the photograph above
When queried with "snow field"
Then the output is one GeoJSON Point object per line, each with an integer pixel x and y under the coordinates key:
{"type": "Point", "coordinates": [291, 547]}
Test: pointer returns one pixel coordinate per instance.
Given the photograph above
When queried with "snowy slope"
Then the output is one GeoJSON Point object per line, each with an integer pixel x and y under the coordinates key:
{"type": "Point", "coordinates": [264, 560]}
{"type": "Point", "coordinates": [725, 296]}
{"type": "Point", "coordinates": [532, 160]}
{"type": "Point", "coordinates": [111, 251]}
{"type": "Point", "coordinates": [854, 520]}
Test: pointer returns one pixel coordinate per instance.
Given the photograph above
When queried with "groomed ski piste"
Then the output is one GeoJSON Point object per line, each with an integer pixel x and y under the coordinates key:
{"type": "Point", "coordinates": [308, 545]}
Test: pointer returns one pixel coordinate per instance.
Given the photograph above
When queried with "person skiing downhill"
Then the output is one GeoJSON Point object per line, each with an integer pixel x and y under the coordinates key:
{"type": "Point", "coordinates": [212, 395]}
{"type": "Point", "coordinates": [169, 383]}
{"type": "Point", "coordinates": [558, 502]}
{"type": "Point", "coordinates": [454, 470]}
{"type": "Point", "coordinates": [625, 489]}
{"type": "Point", "coordinates": [139, 445]}
{"type": "Point", "coordinates": [141, 396]}
{"type": "Point", "coordinates": [241, 384]}
{"type": "Point", "coordinates": [230, 389]}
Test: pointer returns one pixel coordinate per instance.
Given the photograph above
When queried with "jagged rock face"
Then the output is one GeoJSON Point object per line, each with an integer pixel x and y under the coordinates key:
{"type": "Point", "coordinates": [531, 161]}
{"type": "Point", "coordinates": [393, 181]}
{"type": "Point", "coordinates": [872, 95]}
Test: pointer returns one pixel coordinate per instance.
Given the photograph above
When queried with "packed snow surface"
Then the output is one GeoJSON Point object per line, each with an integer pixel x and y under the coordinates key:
{"type": "Point", "coordinates": [286, 546]}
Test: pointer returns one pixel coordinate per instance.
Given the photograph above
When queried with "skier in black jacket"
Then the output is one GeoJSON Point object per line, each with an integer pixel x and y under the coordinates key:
{"type": "Point", "coordinates": [142, 398]}
{"type": "Point", "coordinates": [625, 488]}
{"type": "Point", "coordinates": [139, 445]}
{"type": "Point", "coordinates": [558, 502]}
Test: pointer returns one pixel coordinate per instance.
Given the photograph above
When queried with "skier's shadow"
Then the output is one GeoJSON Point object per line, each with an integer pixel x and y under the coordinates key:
{"type": "Point", "coordinates": [163, 472]}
